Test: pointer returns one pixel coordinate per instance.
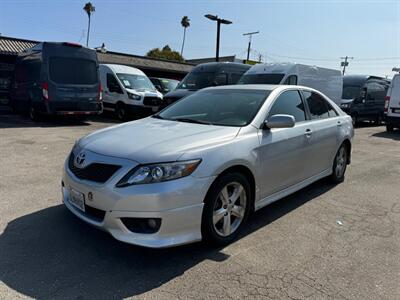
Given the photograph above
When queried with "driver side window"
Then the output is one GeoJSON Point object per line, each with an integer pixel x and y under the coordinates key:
{"type": "Point", "coordinates": [113, 85]}
{"type": "Point", "coordinates": [289, 103]}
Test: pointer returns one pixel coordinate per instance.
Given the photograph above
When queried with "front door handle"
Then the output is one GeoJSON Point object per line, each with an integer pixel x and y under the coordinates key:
{"type": "Point", "coordinates": [308, 133]}
{"type": "Point", "coordinates": [339, 124]}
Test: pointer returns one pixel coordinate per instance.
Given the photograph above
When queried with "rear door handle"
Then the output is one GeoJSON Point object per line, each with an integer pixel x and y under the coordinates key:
{"type": "Point", "coordinates": [339, 124]}
{"type": "Point", "coordinates": [308, 133]}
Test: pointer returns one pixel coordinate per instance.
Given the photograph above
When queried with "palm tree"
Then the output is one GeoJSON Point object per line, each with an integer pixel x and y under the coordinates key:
{"type": "Point", "coordinates": [89, 8]}
{"type": "Point", "coordinates": [185, 22]}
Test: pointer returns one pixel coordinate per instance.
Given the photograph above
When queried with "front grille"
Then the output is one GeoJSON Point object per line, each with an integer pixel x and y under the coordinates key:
{"type": "Point", "coordinates": [96, 172]}
{"type": "Point", "coordinates": [154, 101]}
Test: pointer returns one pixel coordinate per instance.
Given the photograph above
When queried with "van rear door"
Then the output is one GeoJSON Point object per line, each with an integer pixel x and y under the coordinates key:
{"type": "Point", "coordinates": [73, 83]}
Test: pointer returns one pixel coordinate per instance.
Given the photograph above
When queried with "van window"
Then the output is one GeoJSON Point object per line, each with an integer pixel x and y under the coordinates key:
{"type": "Point", "coordinates": [136, 82]}
{"type": "Point", "coordinates": [113, 85]}
{"type": "Point", "coordinates": [291, 80]}
{"type": "Point", "coordinates": [197, 80]}
{"type": "Point", "coordinates": [376, 91]}
{"type": "Point", "coordinates": [68, 70]}
{"type": "Point", "coordinates": [221, 79]}
{"type": "Point", "coordinates": [235, 77]}
{"type": "Point", "coordinates": [289, 103]}
{"type": "Point", "coordinates": [261, 79]}
{"type": "Point", "coordinates": [351, 91]}
{"type": "Point", "coordinates": [317, 105]}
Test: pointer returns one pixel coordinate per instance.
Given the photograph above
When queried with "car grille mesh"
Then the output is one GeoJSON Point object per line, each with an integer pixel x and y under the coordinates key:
{"type": "Point", "coordinates": [151, 100]}
{"type": "Point", "coordinates": [96, 172]}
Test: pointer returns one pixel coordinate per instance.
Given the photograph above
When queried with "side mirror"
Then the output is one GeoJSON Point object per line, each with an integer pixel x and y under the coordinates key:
{"type": "Point", "coordinates": [158, 88]}
{"type": "Point", "coordinates": [280, 121]}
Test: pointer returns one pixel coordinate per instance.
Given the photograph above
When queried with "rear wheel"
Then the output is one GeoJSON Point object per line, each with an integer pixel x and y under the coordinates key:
{"type": "Point", "coordinates": [226, 208]}
{"type": "Point", "coordinates": [120, 111]}
{"type": "Point", "coordinates": [354, 119]}
{"type": "Point", "coordinates": [340, 164]}
{"type": "Point", "coordinates": [389, 128]}
{"type": "Point", "coordinates": [33, 114]}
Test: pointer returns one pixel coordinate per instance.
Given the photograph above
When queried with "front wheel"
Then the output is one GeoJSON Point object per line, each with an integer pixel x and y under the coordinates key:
{"type": "Point", "coordinates": [226, 208]}
{"type": "Point", "coordinates": [340, 164]}
{"type": "Point", "coordinates": [389, 128]}
{"type": "Point", "coordinates": [120, 112]}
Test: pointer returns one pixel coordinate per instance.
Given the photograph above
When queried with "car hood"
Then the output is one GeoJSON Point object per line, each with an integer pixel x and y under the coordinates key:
{"type": "Point", "coordinates": [145, 93]}
{"type": "Point", "coordinates": [152, 140]}
{"type": "Point", "coordinates": [178, 94]}
{"type": "Point", "coordinates": [345, 101]}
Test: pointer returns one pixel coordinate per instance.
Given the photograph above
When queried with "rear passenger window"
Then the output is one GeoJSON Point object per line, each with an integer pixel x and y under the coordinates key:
{"type": "Point", "coordinates": [317, 105]}
{"type": "Point", "coordinates": [289, 103]}
{"type": "Point", "coordinates": [291, 80]}
{"type": "Point", "coordinates": [113, 85]}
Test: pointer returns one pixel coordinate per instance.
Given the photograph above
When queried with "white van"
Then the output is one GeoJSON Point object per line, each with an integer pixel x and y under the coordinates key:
{"type": "Point", "coordinates": [127, 90]}
{"type": "Point", "coordinates": [392, 104]}
{"type": "Point", "coordinates": [327, 81]}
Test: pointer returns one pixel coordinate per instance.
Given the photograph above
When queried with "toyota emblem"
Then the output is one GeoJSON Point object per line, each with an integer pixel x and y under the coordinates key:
{"type": "Point", "coordinates": [80, 158]}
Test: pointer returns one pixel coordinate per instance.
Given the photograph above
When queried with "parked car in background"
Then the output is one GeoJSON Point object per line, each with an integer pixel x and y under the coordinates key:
{"type": "Point", "coordinates": [164, 85]}
{"type": "Point", "coordinates": [392, 104]}
{"type": "Point", "coordinates": [327, 81]}
{"type": "Point", "coordinates": [198, 169]}
{"type": "Point", "coordinates": [206, 75]}
{"type": "Point", "coordinates": [128, 90]}
{"type": "Point", "coordinates": [56, 79]}
{"type": "Point", "coordinates": [364, 97]}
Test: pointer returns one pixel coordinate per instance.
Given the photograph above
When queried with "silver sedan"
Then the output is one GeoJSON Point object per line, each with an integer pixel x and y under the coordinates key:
{"type": "Point", "coordinates": [196, 170]}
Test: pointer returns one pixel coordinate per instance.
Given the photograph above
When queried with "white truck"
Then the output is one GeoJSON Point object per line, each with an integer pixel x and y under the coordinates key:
{"type": "Point", "coordinates": [128, 90]}
{"type": "Point", "coordinates": [327, 81]}
{"type": "Point", "coordinates": [392, 104]}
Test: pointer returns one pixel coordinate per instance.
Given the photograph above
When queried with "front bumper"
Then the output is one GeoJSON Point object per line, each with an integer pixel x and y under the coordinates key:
{"type": "Point", "coordinates": [178, 203]}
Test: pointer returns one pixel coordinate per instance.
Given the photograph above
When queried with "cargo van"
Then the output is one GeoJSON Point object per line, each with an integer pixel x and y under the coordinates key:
{"type": "Point", "coordinates": [327, 81]}
{"type": "Point", "coordinates": [206, 75]}
{"type": "Point", "coordinates": [56, 79]}
{"type": "Point", "coordinates": [392, 104]}
{"type": "Point", "coordinates": [363, 97]}
{"type": "Point", "coordinates": [128, 91]}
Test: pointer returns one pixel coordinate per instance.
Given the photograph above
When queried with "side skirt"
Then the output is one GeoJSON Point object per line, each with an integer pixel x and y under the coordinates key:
{"type": "Point", "coordinates": [290, 190]}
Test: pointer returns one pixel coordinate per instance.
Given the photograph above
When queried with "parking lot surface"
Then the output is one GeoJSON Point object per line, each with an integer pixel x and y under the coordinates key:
{"type": "Point", "coordinates": [323, 242]}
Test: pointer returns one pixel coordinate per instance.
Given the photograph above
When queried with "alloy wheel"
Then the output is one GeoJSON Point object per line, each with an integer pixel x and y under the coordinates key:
{"type": "Point", "coordinates": [341, 161]}
{"type": "Point", "coordinates": [229, 209]}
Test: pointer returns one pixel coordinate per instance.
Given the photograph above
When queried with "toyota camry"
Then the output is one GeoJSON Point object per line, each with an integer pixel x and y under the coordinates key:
{"type": "Point", "coordinates": [199, 168]}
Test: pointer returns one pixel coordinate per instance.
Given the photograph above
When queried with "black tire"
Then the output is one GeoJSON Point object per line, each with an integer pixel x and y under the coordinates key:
{"type": "Point", "coordinates": [389, 128]}
{"type": "Point", "coordinates": [212, 233]}
{"type": "Point", "coordinates": [33, 114]}
{"type": "Point", "coordinates": [340, 164]}
{"type": "Point", "coordinates": [378, 120]}
{"type": "Point", "coordinates": [120, 112]}
{"type": "Point", "coordinates": [354, 119]}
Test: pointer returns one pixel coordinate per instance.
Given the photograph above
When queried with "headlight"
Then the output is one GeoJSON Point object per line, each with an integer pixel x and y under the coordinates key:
{"type": "Point", "coordinates": [133, 96]}
{"type": "Point", "coordinates": [344, 105]}
{"type": "Point", "coordinates": [159, 172]}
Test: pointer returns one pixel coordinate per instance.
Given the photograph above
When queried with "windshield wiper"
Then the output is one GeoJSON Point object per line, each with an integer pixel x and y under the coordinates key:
{"type": "Point", "coordinates": [188, 120]}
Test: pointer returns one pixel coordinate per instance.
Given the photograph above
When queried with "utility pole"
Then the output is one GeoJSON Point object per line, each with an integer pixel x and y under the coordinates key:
{"type": "Point", "coordinates": [345, 63]}
{"type": "Point", "coordinates": [250, 34]}
{"type": "Point", "coordinates": [219, 22]}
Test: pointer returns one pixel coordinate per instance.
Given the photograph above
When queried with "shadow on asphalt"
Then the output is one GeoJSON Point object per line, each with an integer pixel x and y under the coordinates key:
{"type": "Point", "coordinates": [394, 135]}
{"type": "Point", "coordinates": [9, 120]}
{"type": "Point", "coordinates": [51, 254]}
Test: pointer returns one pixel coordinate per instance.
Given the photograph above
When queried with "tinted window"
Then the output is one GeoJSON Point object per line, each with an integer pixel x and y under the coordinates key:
{"type": "Point", "coordinates": [291, 80]}
{"type": "Point", "coordinates": [351, 92]}
{"type": "Point", "coordinates": [67, 70]}
{"type": "Point", "coordinates": [197, 80]}
{"type": "Point", "coordinates": [289, 103]}
{"type": "Point", "coordinates": [317, 105]}
{"type": "Point", "coordinates": [112, 84]}
{"type": "Point", "coordinates": [235, 77]}
{"type": "Point", "coordinates": [169, 85]}
{"type": "Point", "coordinates": [261, 79]}
{"type": "Point", "coordinates": [233, 107]}
{"type": "Point", "coordinates": [376, 91]}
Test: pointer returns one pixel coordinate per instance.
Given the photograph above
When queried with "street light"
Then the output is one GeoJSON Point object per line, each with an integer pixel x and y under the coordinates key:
{"type": "Point", "coordinates": [219, 22]}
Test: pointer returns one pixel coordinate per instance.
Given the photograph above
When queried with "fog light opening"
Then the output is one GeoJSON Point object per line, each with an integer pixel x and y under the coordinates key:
{"type": "Point", "coordinates": [142, 225]}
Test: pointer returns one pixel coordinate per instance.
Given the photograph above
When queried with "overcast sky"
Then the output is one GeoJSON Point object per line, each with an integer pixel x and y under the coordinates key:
{"type": "Point", "coordinates": [310, 32]}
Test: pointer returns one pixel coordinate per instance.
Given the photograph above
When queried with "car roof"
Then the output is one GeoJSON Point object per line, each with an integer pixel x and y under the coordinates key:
{"type": "Point", "coordinates": [123, 69]}
{"type": "Point", "coordinates": [261, 87]}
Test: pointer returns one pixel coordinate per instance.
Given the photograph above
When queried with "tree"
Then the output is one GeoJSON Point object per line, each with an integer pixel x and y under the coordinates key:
{"type": "Point", "coordinates": [185, 22]}
{"type": "Point", "coordinates": [165, 53]}
{"type": "Point", "coordinates": [89, 8]}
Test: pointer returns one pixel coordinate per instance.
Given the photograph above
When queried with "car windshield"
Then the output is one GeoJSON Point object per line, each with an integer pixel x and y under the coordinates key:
{"type": "Point", "coordinates": [197, 80]}
{"type": "Point", "coordinates": [226, 107]}
{"type": "Point", "coordinates": [136, 82]}
{"type": "Point", "coordinates": [261, 79]}
{"type": "Point", "coordinates": [169, 85]}
{"type": "Point", "coordinates": [351, 92]}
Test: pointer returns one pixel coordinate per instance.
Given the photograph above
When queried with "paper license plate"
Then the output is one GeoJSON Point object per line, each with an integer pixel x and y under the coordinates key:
{"type": "Point", "coordinates": [77, 199]}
